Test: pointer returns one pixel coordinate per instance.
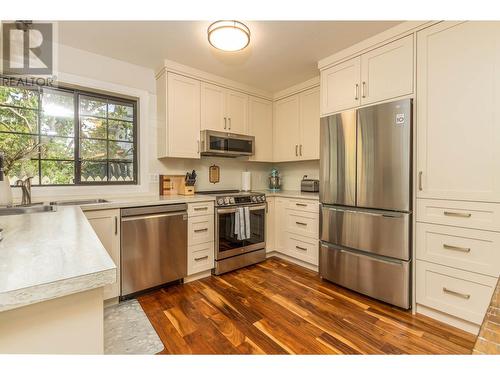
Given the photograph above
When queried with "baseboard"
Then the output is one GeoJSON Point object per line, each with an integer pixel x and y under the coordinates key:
{"type": "Point", "coordinates": [197, 276]}
{"type": "Point", "coordinates": [111, 301]}
{"type": "Point", "coordinates": [299, 262]}
{"type": "Point", "coordinates": [448, 319]}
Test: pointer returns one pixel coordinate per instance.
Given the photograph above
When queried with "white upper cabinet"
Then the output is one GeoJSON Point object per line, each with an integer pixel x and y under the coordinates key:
{"type": "Point", "coordinates": [178, 116]}
{"type": "Point", "coordinates": [309, 124]}
{"type": "Point", "coordinates": [340, 86]}
{"type": "Point", "coordinates": [223, 109]}
{"type": "Point", "coordinates": [296, 126]}
{"type": "Point", "coordinates": [458, 111]}
{"type": "Point", "coordinates": [286, 128]}
{"type": "Point", "coordinates": [378, 75]}
{"type": "Point", "coordinates": [387, 72]}
{"type": "Point", "coordinates": [237, 112]}
{"type": "Point", "coordinates": [213, 115]}
{"type": "Point", "coordinates": [260, 125]}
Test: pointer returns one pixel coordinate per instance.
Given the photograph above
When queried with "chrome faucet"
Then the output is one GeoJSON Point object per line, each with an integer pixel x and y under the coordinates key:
{"type": "Point", "coordinates": [25, 186]}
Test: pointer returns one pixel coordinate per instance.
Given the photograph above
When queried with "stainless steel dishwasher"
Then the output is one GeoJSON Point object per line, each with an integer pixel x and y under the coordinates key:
{"type": "Point", "coordinates": [153, 246]}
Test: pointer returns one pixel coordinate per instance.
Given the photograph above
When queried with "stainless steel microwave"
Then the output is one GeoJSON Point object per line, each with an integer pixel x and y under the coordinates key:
{"type": "Point", "coordinates": [214, 143]}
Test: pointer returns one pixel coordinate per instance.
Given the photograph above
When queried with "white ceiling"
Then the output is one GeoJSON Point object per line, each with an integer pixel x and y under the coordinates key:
{"type": "Point", "coordinates": [280, 54]}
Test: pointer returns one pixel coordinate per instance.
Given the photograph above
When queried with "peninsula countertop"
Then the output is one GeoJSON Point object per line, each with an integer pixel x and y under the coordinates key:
{"type": "Point", "coordinates": [50, 255]}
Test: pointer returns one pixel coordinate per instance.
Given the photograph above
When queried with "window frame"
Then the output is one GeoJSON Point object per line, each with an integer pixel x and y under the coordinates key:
{"type": "Point", "coordinates": [77, 161]}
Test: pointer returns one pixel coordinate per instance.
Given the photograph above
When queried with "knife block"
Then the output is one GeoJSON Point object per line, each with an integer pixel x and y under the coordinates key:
{"type": "Point", "coordinates": [174, 185]}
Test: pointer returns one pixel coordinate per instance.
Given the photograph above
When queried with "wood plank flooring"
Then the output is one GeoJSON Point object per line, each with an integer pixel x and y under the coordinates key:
{"type": "Point", "coordinates": [277, 307]}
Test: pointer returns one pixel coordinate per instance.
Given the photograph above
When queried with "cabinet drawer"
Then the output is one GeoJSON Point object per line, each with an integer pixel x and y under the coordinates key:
{"type": "Point", "coordinates": [200, 229]}
{"type": "Point", "coordinates": [199, 209]}
{"type": "Point", "coordinates": [200, 257]}
{"type": "Point", "coordinates": [302, 248]}
{"type": "Point", "coordinates": [302, 205]}
{"type": "Point", "coordinates": [459, 293]}
{"type": "Point", "coordinates": [475, 215]}
{"type": "Point", "coordinates": [303, 223]}
{"type": "Point", "coordinates": [468, 249]}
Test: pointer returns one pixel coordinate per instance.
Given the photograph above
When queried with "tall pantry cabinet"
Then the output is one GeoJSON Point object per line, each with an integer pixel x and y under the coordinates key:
{"type": "Point", "coordinates": [458, 170]}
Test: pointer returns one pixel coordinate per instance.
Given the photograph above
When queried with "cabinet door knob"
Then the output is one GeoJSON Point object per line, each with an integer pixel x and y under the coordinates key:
{"type": "Point", "coordinates": [420, 180]}
{"type": "Point", "coordinates": [363, 88]}
{"type": "Point", "coordinates": [225, 123]}
{"type": "Point", "coordinates": [229, 123]}
{"type": "Point", "coordinates": [300, 150]}
{"type": "Point", "coordinates": [296, 150]}
{"type": "Point", "coordinates": [356, 92]}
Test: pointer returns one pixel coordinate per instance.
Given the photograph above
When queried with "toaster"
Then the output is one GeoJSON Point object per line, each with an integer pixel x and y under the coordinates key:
{"type": "Point", "coordinates": [309, 185]}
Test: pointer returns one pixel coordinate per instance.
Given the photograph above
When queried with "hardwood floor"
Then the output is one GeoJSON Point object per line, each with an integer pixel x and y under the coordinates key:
{"type": "Point", "coordinates": [277, 307]}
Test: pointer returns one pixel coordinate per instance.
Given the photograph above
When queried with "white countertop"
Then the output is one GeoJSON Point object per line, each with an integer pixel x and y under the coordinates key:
{"type": "Point", "coordinates": [50, 255]}
{"type": "Point", "coordinates": [291, 194]}
{"type": "Point", "coordinates": [54, 254]}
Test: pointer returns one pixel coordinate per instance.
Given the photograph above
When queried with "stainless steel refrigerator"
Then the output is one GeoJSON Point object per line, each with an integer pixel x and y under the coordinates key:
{"type": "Point", "coordinates": [365, 194]}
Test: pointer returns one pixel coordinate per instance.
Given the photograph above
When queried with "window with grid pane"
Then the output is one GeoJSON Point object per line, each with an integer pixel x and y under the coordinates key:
{"type": "Point", "coordinates": [68, 137]}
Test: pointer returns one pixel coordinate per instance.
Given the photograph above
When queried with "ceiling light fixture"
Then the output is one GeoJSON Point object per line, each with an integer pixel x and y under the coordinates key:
{"type": "Point", "coordinates": [228, 35]}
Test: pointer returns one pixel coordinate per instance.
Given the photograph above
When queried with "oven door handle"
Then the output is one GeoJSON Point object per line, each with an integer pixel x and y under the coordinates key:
{"type": "Point", "coordinates": [231, 210]}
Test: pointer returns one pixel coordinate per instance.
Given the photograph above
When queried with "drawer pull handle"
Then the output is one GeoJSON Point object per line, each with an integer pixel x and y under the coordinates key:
{"type": "Point", "coordinates": [202, 258]}
{"type": "Point", "coordinates": [457, 248]}
{"type": "Point", "coordinates": [300, 248]}
{"type": "Point", "coordinates": [300, 223]}
{"type": "Point", "coordinates": [201, 208]}
{"type": "Point", "coordinates": [457, 214]}
{"type": "Point", "coordinates": [452, 292]}
{"type": "Point", "coordinates": [201, 230]}
{"type": "Point", "coordinates": [301, 204]}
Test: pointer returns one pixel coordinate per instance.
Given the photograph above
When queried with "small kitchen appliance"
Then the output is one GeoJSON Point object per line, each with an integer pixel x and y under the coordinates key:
{"type": "Point", "coordinates": [309, 185]}
{"type": "Point", "coordinates": [274, 180]}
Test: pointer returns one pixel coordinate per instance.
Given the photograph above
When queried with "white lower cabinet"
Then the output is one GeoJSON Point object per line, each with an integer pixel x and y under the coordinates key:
{"type": "Point", "coordinates": [296, 228]}
{"type": "Point", "coordinates": [106, 224]}
{"type": "Point", "coordinates": [462, 294]}
{"type": "Point", "coordinates": [200, 257]}
{"type": "Point", "coordinates": [270, 225]}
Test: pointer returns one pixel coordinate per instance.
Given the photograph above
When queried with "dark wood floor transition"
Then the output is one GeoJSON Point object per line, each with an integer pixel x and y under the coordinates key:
{"type": "Point", "coordinates": [277, 307]}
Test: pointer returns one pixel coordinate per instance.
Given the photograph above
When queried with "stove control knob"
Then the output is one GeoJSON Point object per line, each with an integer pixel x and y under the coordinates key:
{"type": "Point", "coordinates": [263, 198]}
{"type": "Point", "coordinates": [254, 199]}
{"type": "Point", "coordinates": [231, 200]}
{"type": "Point", "coordinates": [220, 201]}
{"type": "Point", "coordinates": [226, 200]}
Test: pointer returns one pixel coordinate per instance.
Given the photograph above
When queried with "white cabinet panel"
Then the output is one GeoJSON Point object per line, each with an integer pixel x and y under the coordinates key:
{"type": "Point", "coordinates": [237, 112]}
{"type": "Point", "coordinates": [200, 258]}
{"type": "Point", "coordinates": [213, 114]}
{"type": "Point", "coordinates": [270, 225]}
{"type": "Point", "coordinates": [458, 111]}
{"type": "Point", "coordinates": [280, 224]}
{"type": "Point", "coordinates": [106, 224]}
{"type": "Point", "coordinates": [387, 72]}
{"type": "Point", "coordinates": [303, 248]}
{"type": "Point", "coordinates": [468, 249]}
{"type": "Point", "coordinates": [465, 295]}
{"type": "Point", "coordinates": [477, 215]}
{"type": "Point", "coordinates": [200, 229]}
{"type": "Point", "coordinates": [340, 86]}
{"type": "Point", "coordinates": [183, 117]}
{"type": "Point", "coordinates": [286, 129]}
{"type": "Point", "coordinates": [309, 124]}
{"type": "Point", "coordinates": [260, 125]}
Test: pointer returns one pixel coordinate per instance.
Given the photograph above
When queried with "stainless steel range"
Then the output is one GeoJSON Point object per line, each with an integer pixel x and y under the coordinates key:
{"type": "Point", "coordinates": [240, 229]}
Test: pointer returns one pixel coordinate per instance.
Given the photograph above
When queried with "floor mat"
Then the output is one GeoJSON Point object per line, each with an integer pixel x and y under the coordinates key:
{"type": "Point", "coordinates": [127, 330]}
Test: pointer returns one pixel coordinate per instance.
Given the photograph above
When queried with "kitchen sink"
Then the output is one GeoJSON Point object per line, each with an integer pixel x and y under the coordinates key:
{"type": "Point", "coordinates": [19, 210]}
{"type": "Point", "coordinates": [78, 202]}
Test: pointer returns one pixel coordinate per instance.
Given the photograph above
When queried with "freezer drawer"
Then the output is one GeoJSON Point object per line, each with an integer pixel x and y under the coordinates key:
{"type": "Point", "coordinates": [384, 156]}
{"type": "Point", "coordinates": [385, 280]}
{"type": "Point", "coordinates": [380, 232]}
